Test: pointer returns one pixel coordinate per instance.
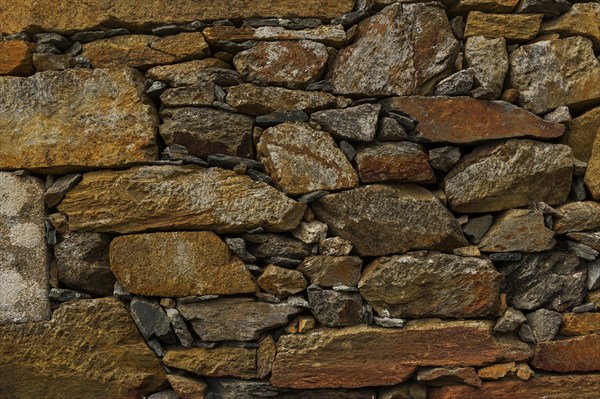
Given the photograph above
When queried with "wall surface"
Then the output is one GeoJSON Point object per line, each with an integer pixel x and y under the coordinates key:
{"type": "Point", "coordinates": [318, 199]}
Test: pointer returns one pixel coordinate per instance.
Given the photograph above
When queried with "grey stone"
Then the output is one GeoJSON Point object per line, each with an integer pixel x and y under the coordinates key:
{"type": "Point", "coordinates": [391, 130]}
{"type": "Point", "coordinates": [348, 150]}
{"type": "Point", "coordinates": [593, 275]}
{"type": "Point", "coordinates": [156, 347]}
{"type": "Point", "coordinates": [283, 262]}
{"type": "Point", "coordinates": [238, 246]}
{"type": "Point", "coordinates": [276, 245]}
{"type": "Point", "coordinates": [526, 334]}
{"type": "Point", "coordinates": [506, 257]}
{"type": "Point", "coordinates": [550, 8]}
{"type": "Point", "coordinates": [166, 394]}
{"type": "Point", "coordinates": [510, 321]}
{"type": "Point", "coordinates": [389, 322]}
{"type": "Point", "coordinates": [586, 307]}
{"type": "Point", "coordinates": [582, 251]}
{"type": "Point", "coordinates": [312, 196]}
{"type": "Point", "coordinates": [357, 123]}
{"type": "Point", "coordinates": [166, 30]}
{"type": "Point", "coordinates": [544, 324]}
{"type": "Point", "coordinates": [352, 18]}
{"type": "Point", "coordinates": [47, 48]}
{"type": "Point", "coordinates": [117, 32]}
{"type": "Point", "coordinates": [88, 36]}
{"type": "Point", "coordinates": [336, 309]}
{"type": "Point", "coordinates": [457, 84]}
{"type": "Point", "coordinates": [180, 328]}
{"type": "Point", "coordinates": [578, 192]}
{"type": "Point", "coordinates": [559, 115]}
{"type": "Point", "coordinates": [230, 162]}
{"type": "Point", "coordinates": [458, 26]}
{"type": "Point", "coordinates": [65, 295]}
{"type": "Point", "coordinates": [444, 158]}
{"type": "Point", "coordinates": [407, 123]}
{"type": "Point", "coordinates": [298, 301]}
{"type": "Point", "coordinates": [60, 42]}
{"type": "Point", "coordinates": [589, 238]}
{"type": "Point", "coordinates": [277, 117]}
{"type": "Point", "coordinates": [489, 60]}
{"type": "Point", "coordinates": [120, 292]}
{"type": "Point", "coordinates": [56, 192]}
{"type": "Point", "coordinates": [329, 271]}
{"type": "Point", "coordinates": [151, 320]}
{"type": "Point", "coordinates": [476, 228]}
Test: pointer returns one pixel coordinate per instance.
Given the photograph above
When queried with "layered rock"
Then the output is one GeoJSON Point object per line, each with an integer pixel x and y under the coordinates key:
{"type": "Point", "coordinates": [577, 216]}
{"type": "Point", "coordinates": [491, 6]}
{"type": "Point", "coordinates": [329, 271]}
{"type": "Point", "coordinates": [580, 323]}
{"type": "Point", "coordinates": [215, 362]}
{"type": "Point", "coordinates": [198, 95]}
{"type": "Point", "coordinates": [357, 123]}
{"type": "Point", "coordinates": [582, 132]}
{"type": "Point", "coordinates": [568, 355]}
{"type": "Point", "coordinates": [518, 230]}
{"type": "Point", "coordinates": [489, 60]}
{"type": "Point", "coordinates": [580, 20]}
{"type": "Point", "coordinates": [195, 72]}
{"type": "Point", "coordinates": [592, 173]}
{"type": "Point", "coordinates": [43, 128]}
{"type": "Point", "coordinates": [16, 58]}
{"type": "Point", "coordinates": [512, 27]}
{"type": "Point", "coordinates": [166, 197]}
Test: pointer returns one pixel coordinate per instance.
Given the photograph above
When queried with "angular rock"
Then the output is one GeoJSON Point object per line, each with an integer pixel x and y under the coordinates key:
{"type": "Point", "coordinates": [394, 162]}
{"type": "Point", "coordinates": [230, 202]}
{"type": "Point", "coordinates": [510, 320]}
{"type": "Point", "coordinates": [83, 264]}
{"type": "Point", "coordinates": [512, 27]}
{"type": "Point", "coordinates": [435, 285]}
{"type": "Point", "coordinates": [593, 277]}
{"type": "Point", "coordinates": [463, 120]}
{"type": "Point", "coordinates": [559, 115]}
{"type": "Point", "coordinates": [522, 172]}
{"type": "Point", "coordinates": [568, 355]}
{"type": "Point", "coordinates": [291, 64]}
{"type": "Point", "coordinates": [518, 230]}
{"type": "Point", "coordinates": [265, 356]}
{"type": "Point", "coordinates": [336, 309]}
{"type": "Point", "coordinates": [580, 20]}
{"type": "Point", "coordinates": [65, 295]}
{"type": "Point", "coordinates": [23, 257]}
{"type": "Point", "coordinates": [329, 35]}
{"type": "Point", "coordinates": [476, 228]}
{"type": "Point", "coordinates": [281, 282]}
{"type": "Point", "coordinates": [301, 159]}
{"type": "Point", "coordinates": [457, 84]}
{"type": "Point", "coordinates": [577, 216]}
{"type": "Point", "coordinates": [197, 95]}
{"type": "Point", "coordinates": [329, 271]}
{"type": "Point", "coordinates": [357, 123]}
{"type": "Point", "coordinates": [16, 58]}
{"type": "Point", "coordinates": [387, 59]}
{"type": "Point", "coordinates": [581, 134]}
{"type": "Point", "coordinates": [178, 264]}
{"type": "Point", "coordinates": [592, 174]}
{"type": "Point", "coordinates": [550, 8]}
{"type": "Point", "coordinates": [382, 220]}
{"type": "Point", "coordinates": [440, 376]}
{"type": "Point", "coordinates": [548, 74]}
{"type": "Point", "coordinates": [209, 70]}
{"type": "Point", "coordinates": [60, 143]}
{"type": "Point", "coordinates": [544, 324]}
{"type": "Point", "coordinates": [391, 130]}
{"type": "Point", "coordinates": [580, 323]}
{"type": "Point", "coordinates": [179, 327]}
{"type": "Point", "coordinates": [188, 387]}
{"type": "Point", "coordinates": [491, 6]}
{"type": "Point", "coordinates": [497, 371]}
{"type": "Point", "coordinates": [183, 46]}
{"type": "Point", "coordinates": [215, 362]}
{"type": "Point", "coordinates": [276, 246]}
{"type": "Point", "coordinates": [106, 356]}
{"type": "Point", "coordinates": [56, 192]}
{"type": "Point", "coordinates": [444, 158]}
{"type": "Point", "coordinates": [205, 131]}
{"type": "Point", "coordinates": [234, 319]}
{"type": "Point", "coordinates": [255, 100]}
{"type": "Point", "coordinates": [582, 251]}
{"type": "Point", "coordinates": [364, 356]}
{"type": "Point", "coordinates": [151, 320]}
{"type": "Point", "coordinates": [310, 232]}
{"type": "Point", "coordinates": [335, 246]}
{"type": "Point", "coordinates": [489, 61]}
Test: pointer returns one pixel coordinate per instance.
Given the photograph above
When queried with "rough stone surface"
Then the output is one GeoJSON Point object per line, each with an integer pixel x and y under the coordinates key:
{"type": "Point", "coordinates": [56, 192]}
{"type": "Point", "coordinates": [178, 264]}
{"type": "Point", "coordinates": [165, 197]}
{"type": "Point", "coordinates": [394, 162]}
{"type": "Point", "coordinates": [205, 131]}
{"type": "Point", "coordinates": [592, 174]}
{"type": "Point", "coordinates": [544, 324]}
{"type": "Point", "coordinates": [23, 257]}
{"type": "Point", "coordinates": [463, 120]}
{"type": "Point", "coordinates": [188, 387]}
{"type": "Point", "coordinates": [276, 245]}
{"type": "Point", "coordinates": [387, 59]}
{"type": "Point", "coordinates": [329, 271]}
{"type": "Point", "coordinates": [508, 175]}
{"type": "Point", "coordinates": [195, 72]}
{"type": "Point", "coordinates": [281, 282]}
{"type": "Point", "coordinates": [489, 61]}
{"type": "Point", "coordinates": [476, 228]}
{"type": "Point", "coordinates": [436, 285]}
{"type": "Point", "coordinates": [512, 27]}
{"type": "Point", "coordinates": [568, 355]}
{"type": "Point", "coordinates": [457, 84]}
{"type": "Point", "coordinates": [237, 319]}
{"type": "Point", "coordinates": [549, 74]}
{"type": "Point", "coordinates": [151, 320]}
{"type": "Point", "coordinates": [580, 20]}
{"type": "Point", "coordinates": [491, 6]}
{"type": "Point", "coordinates": [310, 232]}
{"type": "Point", "coordinates": [577, 216]}
{"type": "Point", "coordinates": [364, 356]}
{"type": "Point", "coordinates": [214, 362]}
{"type": "Point", "coordinates": [16, 58]}
{"type": "Point", "coordinates": [440, 376]}
{"type": "Point", "coordinates": [329, 35]}
{"type": "Point", "coordinates": [106, 358]}
{"type": "Point", "coordinates": [43, 128]}
{"type": "Point", "coordinates": [510, 320]}
{"type": "Point", "coordinates": [391, 130]}
{"type": "Point", "coordinates": [197, 95]}
{"type": "Point", "coordinates": [357, 123]}
{"type": "Point", "coordinates": [581, 134]}
{"type": "Point", "coordinates": [550, 8]}
{"type": "Point", "coordinates": [301, 159]}
{"type": "Point", "coordinates": [580, 323]}
{"type": "Point", "coordinates": [497, 371]}
{"type": "Point", "coordinates": [336, 309]}
{"type": "Point", "coordinates": [382, 220]}
{"type": "Point", "coordinates": [444, 158]}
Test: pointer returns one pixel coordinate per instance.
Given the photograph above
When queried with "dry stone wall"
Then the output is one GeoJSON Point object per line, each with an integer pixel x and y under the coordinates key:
{"type": "Point", "coordinates": [371, 199]}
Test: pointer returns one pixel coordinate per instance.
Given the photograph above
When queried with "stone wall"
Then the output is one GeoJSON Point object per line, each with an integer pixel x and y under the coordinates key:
{"type": "Point", "coordinates": [318, 199]}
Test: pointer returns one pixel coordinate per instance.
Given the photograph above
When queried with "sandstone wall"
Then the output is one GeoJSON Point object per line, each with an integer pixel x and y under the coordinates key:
{"type": "Point", "coordinates": [322, 199]}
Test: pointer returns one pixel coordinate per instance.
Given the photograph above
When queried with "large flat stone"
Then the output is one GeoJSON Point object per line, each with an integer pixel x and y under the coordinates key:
{"type": "Point", "coordinates": [518, 230]}
{"type": "Point", "coordinates": [90, 349]}
{"type": "Point", "coordinates": [50, 120]}
{"type": "Point", "coordinates": [592, 173]}
{"type": "Point", "coordinates": [178, 264]}
{"type": "Point", "coordinates": [168, 197]}
{"type": "Point", "coordinates": [582, 19]}
{"type": "Point", "coordinates": [582, 132]}
{"type": "Point", "coordinates": [364, 356]}
{"type": "Point", "coordinates": [568, 355]}
{"type": "Point", "coordinates": [16, 58]}
{"type": "Point", "coordinates": [577, 216]}
{"type": "Point", "coordinates": [580, 323]}
{"type": "Point", "coordinates": [512, 27]}
{"type": "Point", "coordinates": [383, 220]}
{"type": "Point", "coordinates": [329, 35]}
{"type": "Point", "coordinates": [215, 362]}
{"type": "Point", "coordinates": [462, 120]}
{"type": "Point", "coordinates": [23, 256]}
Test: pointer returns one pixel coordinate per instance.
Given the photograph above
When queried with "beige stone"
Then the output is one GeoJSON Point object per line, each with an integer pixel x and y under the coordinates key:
{"type": "Point", "coordinates": [491, 6]}
{"type": "Point", "coordinates": [281, 282]}
{"type": "Point", "coordinates": [581, 134]}
{"type": "Point", "coordinates": [582, 19]}
{"type": "Point", "coordinates": [580, 323]}
{"type": "Point", "coordinates": [188, 73]}
{"type": "Point", "coordinates": [265, 356]}
{"type": "Point", "coordinates": [16, 58]}
{"type": "Point", "coordinates": [512, 27]}
{"type": "Point", "coordinates": [214, 362]}
{"type": "Point", "coordinates": [518, 230]}
{"type": "Point", "coordinates": [329, 271]}
{"type": "Point", "coordinates": [577, 216]}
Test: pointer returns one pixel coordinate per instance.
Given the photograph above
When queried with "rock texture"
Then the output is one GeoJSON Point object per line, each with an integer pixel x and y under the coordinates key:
{"type": "Point", "coordinates": [170, 194]}
{"type": "Point", "coordinates": [489, 60]}
{"type": "Point", "coordinates": [512, 27]}
{"type": "Point", "coordinates": [16, 58]}
{"type": "Point", "coordinates": [329, 271]}
{"type": "Point", "coordinates": [394, 162]}
{"type": "Point", "coordinates": [580, 20]}
{"type": "Point", "coordinates": [577, 216]}
{"type": "Point", "coordinates": [216, 362]}
{"type": "Point", "coordinates": [518, 230]}
{"type": "Point", "coordinates": [568, 355]}
{"type": "Point", "coordinates": [592, 173]}
{"type": "Point", "coordinates": [580, 323]}
{"type": "Point", "coordinates": [357, 123]}
{"type": "Point", "coordinates": [582, 132]}
{"type": "Point", "coordinates": [329, 35]}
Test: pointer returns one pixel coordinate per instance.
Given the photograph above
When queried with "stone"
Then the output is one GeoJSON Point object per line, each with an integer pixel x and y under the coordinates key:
{"type": "Point", "coordinates": [510, 321]}
{"type": "Point", "coordinates": [444, 158]}
{"type": "Point", "coordinates": [389, 322]}
{"type": "Point", "coordinates": [589, 238]}
{"type": "Point", "coordinates": [358, 123]}
{"type": "Point", "coordinates": [553, 280]}
{"type": "Point", "coordinates": [208, 70]}
{"type": "Point", "coordinates": [544, 324]}
{"type": "Point", "coordinates": [65, 295]}
{"type": "Point", "coordinates": [582, 251]}
{"type": "Point", "coordinates": [488, 59]}
{"type": "Point", "coordinates": [255, 100]}
{"type": "Point", "coordinates": [188, 387]}
{"type": "Point", "coordinates": [581, 133]}
{"type": "Point", "coordinates": [335, 246]}
{"type": "Point", "coordinates": [568, 355]}
{"type": "Point", "coordinates": [53, 62]}
{"type": "Point", "coordinates": [593, 297]}
{"type": "Point", "coordinates": [32, 140]}
{"type": "Point", "coordinates": [301, 159]}
{"type": "Point", "coordinates": [386, 59]}
{"type": "Point", "coordinates": [166, 394]}
{"type": "Point", "coordinates": [336, 309]}
{"type": "Point", "coordinates": [586, 307]}
{"type": "Point", "coordinates": [382, 220]}
{"type": "Point", "coordinates": [592, 174]}
{"type": "Point", "coordinates": [580, 323]}
{"type": "Point", "coordinates": [214, 362]}
{"type": "Point", "coordinates": [497, 371]}
{"type": "Point", "coordinates": [183, 46]}
{"type": "Point", "coordinates": [524, 372]}
{"type": "Point", "coordinates": [230, 202]}
{"type": "Point", "coordinates": [580, 20]}
{"type": "Point", "coordinates": [532, 234]}
{"type": "Point", "coordinates": [477, 227]}
{"type": "Point", "coordinates": [281, 282]}
{"type": "Point", "coordinates": [584, 386]}
{"type": "Point", "coordinates": [330, 35]}
{"type": "Point", "coordinates": [593, 276]}
{"type": "Point", "coordinates": [265, 356]}
{"type": "Point", "coordinates": [549, 8]}
{"type": "Point", "coordinates": [440, 376]}
{"type": "Point", "coordinates": [457, 84]}
{"type": "Point", "coordinates": [394, 162]}
{"type": "Point", "coordinates": [464, 120]}
{"type": "Point", "coordinates": [391, 130]}
{"type": "Point", "coordinates": [56, 192]}
{"type": "Point", "coordinates": [277, 117]}
{"type": "Point", "coordinates": [548, 74]}
{"type": "Point", "coordinates": [23, 257]}
{"type": "Point", "coordinates": [275, 245]}
{"type": "Point", "coordinates": [291, 64]}
{"type": "Point", "coordinates": [310, 232]}
{"type": "Point", "coordinates": [16, 58]}
{"type": "Point", "coordinates": [522, 171]}
{"type": "Point", "coordinates": [235, 319]}
{"type": "Point", "coordinates": [151, 320]}
{"type": "Point", "coordinates": [491, 6]}
{"type": "Point", "coordinates": [512, 27]}
{"type": "Point", "coordinates": [559, 115]}
{"type": "Point", "coordinates": [205, 131]}
{"type": "Point", "coordinates": [83, 263]}
{"type": "Point", "coordinates": [179, 327]}
{"type": "Point", "coordinates": [577, 216]}
{"type": "Point", "coordinates": [329, 271]}
{"type": "Point", "coordinates": [34, 363]}
{"type": "Point", "coordinates": [197, 95]}
{"type": "Point", "coordinates": [370, 356]}
{"type": "Point", "coordinates": [435, 285]}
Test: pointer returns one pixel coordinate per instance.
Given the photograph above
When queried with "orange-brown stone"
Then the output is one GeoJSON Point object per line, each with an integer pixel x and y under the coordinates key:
{"type": "Point", "coordinates": [580, 323]}
{"type": "Point", "coordinates": [16, 58]}
{"type": "Point", "coordinates": [568, 355]}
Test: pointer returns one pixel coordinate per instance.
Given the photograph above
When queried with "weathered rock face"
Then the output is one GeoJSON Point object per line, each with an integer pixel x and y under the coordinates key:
{"type": "Point", "coordinates": [205, 131]}
{"type": "Point", "coordinates": [436, 285]}
{"type": "Point", "coordinates": [518, 230]}
{"type": "Point", "coordinates": [281, 282]}
{"type": "Point", "coordinates": [581, 134]}
{"type": "Point", "coordinates": [23, 257]}
{"type": "Point", "coordinates": [508, 175]}
{"type": "Point", "coordinates": [489, 60]}
{"type": "Point", "coordinates": [107, 358]}
{"type": "Point", "coordinates": [178, 264]}
{"type": "Point", "coordinates": [550, 8]}
{"type": "Point", "coordinates": [43, 128]}
{"type": "Point", "coordinates": [512, 27]}
{"type": "Point", "coordinates": [568, 355]}
{"type": "Point", "coordinates": [462, 120]}
{"type": "Point", "coordinates": [329, 271]}
{"type": "Point", "coordinates": [387, 59]}
{"type": "Point", "coordinates": [496, 6]}
{"type": "Point", "coordinates": [577, 216]}
{"type": "Point", "coordinates": [329, 35]}
{"type": "Point", "coordinates": [16, 58]}
{"type": "Point", "coordinates": [291, 63]}
{"type": "Point", "coordinates": [581, 20]}
{"type": "Point", "coordinates": [363, 356]}
{"type": "Point", "coordinates": [336, 309]}
{"type": "Point", "coordinates": [195, 72]}
{"type": "Point", "coordinates": [215, 362]}
{"type": "Point", "coordinates": [592, 173]}
{"type": "Point", "coordinates": [549, 74]}
{"type": "Point", "coordinates": [440, 376]}
{"type": "Point", "coordinates": [165, 197]}
{"type": "Point", "coordinates": [301, 159]}
{"type": "Point", "coordinates": [580, 323]}
{"type": "Point", "coordinates": [357, 123]}
{"type": "Point", "coordinates": [201, 94]}
{"type": "Point", "coordinates": [382, 220]}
